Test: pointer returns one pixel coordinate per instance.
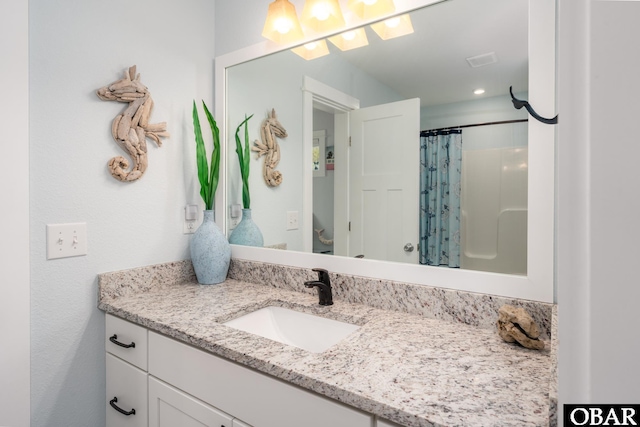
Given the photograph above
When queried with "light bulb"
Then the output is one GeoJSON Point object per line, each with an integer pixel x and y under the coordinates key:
{"type": "Point", "coordinates": [392, 23]}
{"type": "Point", "coordinates": [321, 11]}
{"type": "Point", "coordinates": [478, 91]}
{"type": "Point", "coordinates": [369, 2]}
{"type": "Point", "coordinates": [283, 25]}
{"type": "Point", "coordinates": [349, 35]}
{"type": "Point", "coordinates": [311, 46]}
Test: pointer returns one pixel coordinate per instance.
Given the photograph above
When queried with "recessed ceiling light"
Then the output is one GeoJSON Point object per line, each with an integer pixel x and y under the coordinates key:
{"type": "Point", "coordinates": [478, 91]}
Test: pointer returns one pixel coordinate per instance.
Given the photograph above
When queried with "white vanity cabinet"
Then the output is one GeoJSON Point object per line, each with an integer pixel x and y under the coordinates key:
{"type": "Point", "coordinates": [162, 382]}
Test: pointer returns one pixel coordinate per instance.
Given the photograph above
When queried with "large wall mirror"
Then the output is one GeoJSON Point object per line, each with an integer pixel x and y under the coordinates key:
{"type": "Point", "coordinates": [394, 165]}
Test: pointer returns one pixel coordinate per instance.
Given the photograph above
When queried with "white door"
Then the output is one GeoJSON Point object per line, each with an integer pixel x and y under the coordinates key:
{"type": "Point", "coordinates": [169, 407]}
{"type": "Point", "coordinates": [384, 168]}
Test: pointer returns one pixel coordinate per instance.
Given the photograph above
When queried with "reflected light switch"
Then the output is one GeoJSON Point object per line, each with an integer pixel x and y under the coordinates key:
{"type": "Point", "coordinates": [235, 210]}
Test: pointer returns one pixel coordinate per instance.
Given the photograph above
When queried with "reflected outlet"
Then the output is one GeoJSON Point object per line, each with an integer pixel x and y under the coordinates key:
{"type": "Point", "coordinates": [292, 220]}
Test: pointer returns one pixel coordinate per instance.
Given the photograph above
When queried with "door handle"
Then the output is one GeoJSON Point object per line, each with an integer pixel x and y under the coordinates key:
{"type": "Point", "coordinates": [113, 402]}
{"type": "Point", "coordinates": [408, 247]}
{"type": "Point", "coordinates": [114, 339]}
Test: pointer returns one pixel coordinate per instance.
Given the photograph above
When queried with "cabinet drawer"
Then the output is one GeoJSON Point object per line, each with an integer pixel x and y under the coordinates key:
{"type": "Point", "coordinates": [126, 340]}
{"type": "Point", "coordinates": [253, 397]}
{"type": "Point", "coordinates": [171, 407]}
{"type": "Point", "coordinates": [127, 390]}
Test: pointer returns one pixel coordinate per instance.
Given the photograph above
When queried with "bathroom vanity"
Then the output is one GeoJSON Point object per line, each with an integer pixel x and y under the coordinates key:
{"type": "Point", "coordinates": [397, 368]}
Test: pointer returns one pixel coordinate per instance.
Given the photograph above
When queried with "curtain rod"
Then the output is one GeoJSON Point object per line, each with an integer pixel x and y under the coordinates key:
{"type": "Point", "coordinates": [476, 124]}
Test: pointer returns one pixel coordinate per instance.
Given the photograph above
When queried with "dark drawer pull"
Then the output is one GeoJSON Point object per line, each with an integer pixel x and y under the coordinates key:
{"type": "Point", "coordinates": [113, 401]}
{"type": "Point", "coordinates": [114, 339]}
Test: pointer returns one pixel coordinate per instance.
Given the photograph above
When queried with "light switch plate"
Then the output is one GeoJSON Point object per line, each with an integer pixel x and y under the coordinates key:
{"type": "Point", "coordinates": [66, 240]}
{"type": "Point", "coordinates": [190, 223]}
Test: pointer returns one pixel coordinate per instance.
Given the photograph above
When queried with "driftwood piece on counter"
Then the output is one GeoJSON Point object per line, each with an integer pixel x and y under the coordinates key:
{"type": "Point", "coordinates": [131, 128]}
{"type": "Point", "coordinates": [516, 325]}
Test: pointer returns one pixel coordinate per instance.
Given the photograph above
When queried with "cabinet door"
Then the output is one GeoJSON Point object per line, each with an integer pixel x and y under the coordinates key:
{"type": "Point", "coordinates": [253, 397]}
{"type": "Point", "coordinates": [126, 394]}
{"type": "Point", "coordinates": [169, 407]}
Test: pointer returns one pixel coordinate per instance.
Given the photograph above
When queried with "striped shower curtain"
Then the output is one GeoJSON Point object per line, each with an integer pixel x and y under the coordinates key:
{"type": "Point", "coordinates": [440, 176]}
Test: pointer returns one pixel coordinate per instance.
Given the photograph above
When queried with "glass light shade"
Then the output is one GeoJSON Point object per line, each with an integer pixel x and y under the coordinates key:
{"type": "Point", "coordinates": [282, 25]}
{"type": "Point", "coordinates": [322, 15]}
{"type": "Point", "coordinates": [369, 9]}
{"type": "Point", "coordinates": [312, 50]}
{"type": "Point", "coordinates": [350, 39]}
{"type": "Point", "coordinates": [393, 27]}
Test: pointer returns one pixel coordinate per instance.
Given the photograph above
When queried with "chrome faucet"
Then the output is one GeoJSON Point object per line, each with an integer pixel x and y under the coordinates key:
{"type": "Point", "coordinates": [324, 286]}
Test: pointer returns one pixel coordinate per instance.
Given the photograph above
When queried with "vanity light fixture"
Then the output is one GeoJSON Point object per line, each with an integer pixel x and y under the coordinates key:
{"type": "Point", "coordinates": [478, 91]}
{"type": "Point", "coordinates": [351, 39]}
{"type": "Point", "coordinates": [369, 9]}
{"type": "Point", "coordinates": [322, 15]}
{"type": "Point", "coordinates": [312, 50]}
{"type": "Point", "coordinates": [393, 27]}
{"type": "Point", "coordinates": [282, 25]}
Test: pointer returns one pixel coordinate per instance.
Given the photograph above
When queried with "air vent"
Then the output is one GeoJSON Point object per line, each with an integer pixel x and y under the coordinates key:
{"type": "Point", "coordinates": [482, 60]}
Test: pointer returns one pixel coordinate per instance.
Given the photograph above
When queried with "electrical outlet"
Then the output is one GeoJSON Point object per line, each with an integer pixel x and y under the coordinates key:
{"type": "Point", "coordinates": [66, 240]}
{"type": "Point", "coordinates": [292, 220]}
{"type": "Point", "coordinates": [189, 227]}
{"type": "Point", "coordinates": [233, 222]}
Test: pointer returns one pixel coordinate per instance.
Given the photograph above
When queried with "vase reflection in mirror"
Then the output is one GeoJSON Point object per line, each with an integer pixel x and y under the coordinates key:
{"type": "Point", "coordinates": [247, 232]}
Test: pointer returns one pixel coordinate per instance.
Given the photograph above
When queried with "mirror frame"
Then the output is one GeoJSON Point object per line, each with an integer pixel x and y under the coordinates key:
{"type": "Point", "coordinates": [538, 285]}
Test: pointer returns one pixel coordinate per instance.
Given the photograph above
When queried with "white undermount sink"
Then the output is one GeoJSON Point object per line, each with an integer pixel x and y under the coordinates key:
{"type": "Point", "coordinates": [312, 333]}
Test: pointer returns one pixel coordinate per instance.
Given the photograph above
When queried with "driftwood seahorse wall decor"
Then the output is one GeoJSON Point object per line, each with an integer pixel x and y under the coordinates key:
{"type": "Point", "coordinates": [269, 148]}
{"type": "Point", "coordinates": [131, 128]}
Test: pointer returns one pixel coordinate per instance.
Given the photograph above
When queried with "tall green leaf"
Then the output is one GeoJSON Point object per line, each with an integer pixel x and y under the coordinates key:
{"type": "Point", "coordinates": [215, 156]}
{"type": "Point", "coordinates": [201, 155]}
{"type": "Point", "coordinates": [243, 160]}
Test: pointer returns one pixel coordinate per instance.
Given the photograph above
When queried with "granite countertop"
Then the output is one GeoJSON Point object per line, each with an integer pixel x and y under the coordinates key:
{"type": "Point", "coordinates": [406, 368]}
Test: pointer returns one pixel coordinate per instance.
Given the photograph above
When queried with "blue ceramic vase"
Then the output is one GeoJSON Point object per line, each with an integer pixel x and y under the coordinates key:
{"type": "Point", "coordinates": [210, 252]}
{"type": "Point", "coordinates": [247, 232]}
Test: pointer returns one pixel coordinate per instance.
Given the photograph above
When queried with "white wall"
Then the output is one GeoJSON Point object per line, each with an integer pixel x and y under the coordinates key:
{"type": "Point", "coordinates": [480, 110]}
{"type": "Point", "coordinates": [77, 47]}
{"type": "Point", "coordinates": [615, 200]}
{"type": "Point", "coordinates": [597, 201]}
{"type": "Point", "coordinates": [14, 193]}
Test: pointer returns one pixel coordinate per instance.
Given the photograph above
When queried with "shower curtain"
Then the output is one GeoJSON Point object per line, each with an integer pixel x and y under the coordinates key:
{"type": "Point", "coordinates": [440, 176]}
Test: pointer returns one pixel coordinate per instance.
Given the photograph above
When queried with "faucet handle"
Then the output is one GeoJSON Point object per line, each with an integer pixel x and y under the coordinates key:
{"type": "Point", "coordinates": [323, 275]}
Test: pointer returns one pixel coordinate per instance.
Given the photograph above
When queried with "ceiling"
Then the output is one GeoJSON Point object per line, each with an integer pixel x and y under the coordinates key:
{"type": "Point", "coordinates": [431, 63]}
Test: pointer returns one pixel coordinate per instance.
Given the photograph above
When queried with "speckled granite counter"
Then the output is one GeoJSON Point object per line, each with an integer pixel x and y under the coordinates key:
{"type": "Point", "coordinates": [406, 368]}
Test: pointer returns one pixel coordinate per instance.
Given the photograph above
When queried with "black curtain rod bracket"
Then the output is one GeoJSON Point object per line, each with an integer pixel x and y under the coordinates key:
{"type": "Point", "coordinates": [518, 104]}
